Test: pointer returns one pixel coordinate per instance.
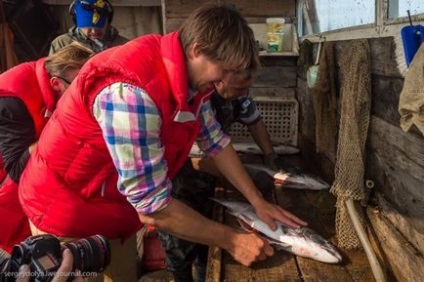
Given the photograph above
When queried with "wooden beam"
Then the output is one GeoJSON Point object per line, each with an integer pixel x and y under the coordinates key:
{"type": "Point", "coordinates": [406, 150]}
{"type": "Point", "coordinates": [276, 76]}
{"type": "Point", "coordinates": [316, 271]}
{"type": "Point", "coordinates": [395, 162]}
{"type": "Point", "coordinates": [402, 224]}
{"type": "Point", "coordinates": [404, 261]}
{"type": "Point", "coordinates": [248, 8]}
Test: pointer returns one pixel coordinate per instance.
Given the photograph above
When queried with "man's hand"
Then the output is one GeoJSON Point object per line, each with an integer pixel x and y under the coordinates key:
{"type": "Point", "coordinates": [274, 162]}
{"type": "Point", "coordinates": [271, 213]}
{"type": "Point", "coordinates": [32, 147]}
{"type": "Point", "coordinates": [249, 247]}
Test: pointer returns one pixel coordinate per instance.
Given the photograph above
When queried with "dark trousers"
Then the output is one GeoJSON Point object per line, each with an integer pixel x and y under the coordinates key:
{"type": "Point", "coordinates": [193, 188]}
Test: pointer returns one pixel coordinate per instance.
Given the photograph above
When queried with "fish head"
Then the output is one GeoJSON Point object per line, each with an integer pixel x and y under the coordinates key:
{"type": "Point", "coordinates": [315, 182]}
{"type": "Point", "coordinates": [308, 243]}
{"type": "Point", "coordinates": [300, 181]}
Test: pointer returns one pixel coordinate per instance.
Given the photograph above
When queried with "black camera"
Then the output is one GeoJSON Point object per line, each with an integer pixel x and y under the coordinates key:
{"type": "Point", "coordinates": [43, 254]}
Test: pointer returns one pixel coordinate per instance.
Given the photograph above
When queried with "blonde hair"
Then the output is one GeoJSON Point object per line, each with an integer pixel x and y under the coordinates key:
{"type": "Point", "coordinates": [223, 35]}
{"type": "Point", "coordinates": [72, 56]}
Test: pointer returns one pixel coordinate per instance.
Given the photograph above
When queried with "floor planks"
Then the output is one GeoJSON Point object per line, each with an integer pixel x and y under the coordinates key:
{"type": "Point", "coordinates": [316, 207]}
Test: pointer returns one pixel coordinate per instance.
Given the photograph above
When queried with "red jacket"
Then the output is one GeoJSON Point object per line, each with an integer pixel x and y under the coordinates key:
{"type": "Point", "coordinates": [69, 187]}
{"type": "Point", "coordinates": [31, 83]}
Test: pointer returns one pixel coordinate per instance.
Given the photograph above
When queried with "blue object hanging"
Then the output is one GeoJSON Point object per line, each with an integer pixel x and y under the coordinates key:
{"type": "Point", "coordinates": [412, 37]}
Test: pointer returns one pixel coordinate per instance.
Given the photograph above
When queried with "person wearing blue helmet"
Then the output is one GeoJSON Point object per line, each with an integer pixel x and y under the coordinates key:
{"type": "Point", "coordinates": [92, 27]}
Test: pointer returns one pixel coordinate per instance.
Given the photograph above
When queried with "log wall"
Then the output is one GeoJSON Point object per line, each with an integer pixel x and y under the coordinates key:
{"type": "Point", "coordinates": [176, 11]}
{"type": "Point", "coordinates": [394, 161]}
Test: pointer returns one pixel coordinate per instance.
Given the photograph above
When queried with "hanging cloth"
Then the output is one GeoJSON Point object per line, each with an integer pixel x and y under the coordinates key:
{"type": "Point", "coordinates": [411, 100]}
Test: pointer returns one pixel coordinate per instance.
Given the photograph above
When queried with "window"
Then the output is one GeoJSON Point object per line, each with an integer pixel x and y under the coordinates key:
{"type": "Point", "coordinates": [326, 15]}
{"type": "Point", "coordinates": [399, 8]}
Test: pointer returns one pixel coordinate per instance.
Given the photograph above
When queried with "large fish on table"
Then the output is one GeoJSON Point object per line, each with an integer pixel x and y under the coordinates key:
{"type": "Point", "coordinates": [253, 148]}
{"type": "Point", "coordinates": [248, 148]}
{"type": "Point", "coordinates": [302, 241]}
{"type": "Point", "coordinates": [294, 180]}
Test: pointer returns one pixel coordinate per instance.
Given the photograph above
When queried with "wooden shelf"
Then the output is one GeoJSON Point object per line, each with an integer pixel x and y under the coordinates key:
{"type": "Point", "coordinates": [279, 54]}
{"type": "Point", "coordinates": [290, 42]}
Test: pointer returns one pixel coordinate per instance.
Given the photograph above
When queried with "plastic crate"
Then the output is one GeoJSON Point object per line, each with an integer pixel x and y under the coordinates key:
{"type": "Point", "coordinates": [280, 116]}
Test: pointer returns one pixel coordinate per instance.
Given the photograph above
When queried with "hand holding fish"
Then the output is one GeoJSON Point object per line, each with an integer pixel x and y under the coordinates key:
{"type": "Point", "coordinates": [270, 213]}
{"type": "Point", "coordinates": [301, 241]}
{"type": "Point", "coordinates": [249, 247]}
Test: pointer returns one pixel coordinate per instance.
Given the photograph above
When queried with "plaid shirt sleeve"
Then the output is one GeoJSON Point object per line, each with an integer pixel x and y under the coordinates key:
{"type": "Point", "coordinates": [130, 123]}
{"type": "Point", "coordinates": [211, 138]}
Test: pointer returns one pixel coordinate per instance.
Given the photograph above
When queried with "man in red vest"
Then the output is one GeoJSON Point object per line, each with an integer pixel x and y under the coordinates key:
{"type": "Point", "coordinates": [28, 96]}
{"type": "Point", "coordinates": [137, 109]}
{"type": "Point", "coordinates": [231, 102]}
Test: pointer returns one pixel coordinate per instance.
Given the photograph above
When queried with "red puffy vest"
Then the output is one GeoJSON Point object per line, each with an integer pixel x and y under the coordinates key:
{"type": "Point", "coordinates": [69, 187]}
{"type": "Point", "coordinates": [31, 83]}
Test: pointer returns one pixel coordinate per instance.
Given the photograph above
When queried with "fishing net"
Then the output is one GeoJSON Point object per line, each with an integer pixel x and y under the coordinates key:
{"type": "Point", "coordinates": [355, 102]}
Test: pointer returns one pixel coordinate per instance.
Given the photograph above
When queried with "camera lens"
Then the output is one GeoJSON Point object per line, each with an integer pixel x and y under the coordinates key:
{"type": "Point", "coordinates": [4, 261]}
{"type": "Point", "coordinates": [8, 267]}
{"type": "Point", "coordinates": [91, 254]}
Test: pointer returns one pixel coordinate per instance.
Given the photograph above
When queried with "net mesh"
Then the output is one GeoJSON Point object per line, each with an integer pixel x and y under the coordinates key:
{"type": "Point", "coordinates": [355, 102]}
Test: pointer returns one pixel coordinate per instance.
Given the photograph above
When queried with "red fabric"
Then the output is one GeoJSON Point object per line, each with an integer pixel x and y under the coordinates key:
{"type": "Point", "coordinates": [31, 83]}
{"type": "Point", "coordinates": [69, 188]}
{"type": "Point", "coordinates": [165, 81]}
{"type": "Point", "coordinates": [153, 254]}
{"type": "Point", "coordinates": [35, 92]}
{"type": "Point", "coordinates": [3, 172]}
{"type": "Point", "coordinates": [14, 223]}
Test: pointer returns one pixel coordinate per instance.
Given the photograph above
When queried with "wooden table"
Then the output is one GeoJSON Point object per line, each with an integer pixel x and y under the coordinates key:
{"type": "Point", "coordinates": [317, 208]}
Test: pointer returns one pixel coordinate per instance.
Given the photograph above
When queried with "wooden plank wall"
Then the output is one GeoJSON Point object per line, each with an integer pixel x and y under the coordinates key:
{"type": "Point", "coordinates": [394, 161]}
{"type": "Point", "coordinates": [176, 11]}
{"type": "Point", "coordinates": [277, 76]}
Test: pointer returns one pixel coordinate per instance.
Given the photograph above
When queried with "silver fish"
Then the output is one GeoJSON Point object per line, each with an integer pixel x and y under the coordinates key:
{"type": "Point", "coordinates": [253, 148]}
{"type": "Point", "coordinates": [302, 241]}
{"type": "Point", "coordinates": [290, 180]}
{"type": "Point", "coordinates": [248, 148]}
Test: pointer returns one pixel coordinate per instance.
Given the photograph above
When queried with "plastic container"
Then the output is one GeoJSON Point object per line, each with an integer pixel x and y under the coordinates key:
{"type": "Point", "coordinates": [275, 34]}
{"type": "Point", "coordinates": [275, 42]}
{"type": "Point", "coordinates": [275, 25]}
